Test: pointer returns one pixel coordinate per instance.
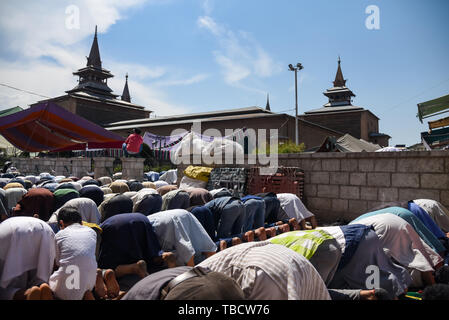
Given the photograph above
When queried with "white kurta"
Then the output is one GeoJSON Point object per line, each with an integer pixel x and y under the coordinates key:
{"type": "Point", "coordinates": [180, 231]}
{"type": "Point", "coordinates": [26, 244]}
{"type": "Point", "coordinates": [401, 242]}
{"type": "Point", "coordinates": [293, 206]}
{"type": "Point", "coordinates": [75, 255]}
{"type": "Point", "coordinates": [438, 212]}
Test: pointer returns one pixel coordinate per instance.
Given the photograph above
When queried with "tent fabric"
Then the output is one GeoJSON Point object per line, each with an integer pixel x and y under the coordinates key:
{"type": "Point", "coordinates": [352, 144]}
{"type": "Point", "coordinates": [49, 127]}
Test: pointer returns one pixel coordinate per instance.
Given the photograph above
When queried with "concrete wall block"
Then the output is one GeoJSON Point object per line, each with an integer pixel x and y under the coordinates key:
{"type": "Point", "coordinates": [388, 194]}
{"type": "Point", "coordinates": [379, 179]}
{"type": "Point", "coordinates": [310, 190]}
{"type": "Point", "coordinates": [411, 194]}
{"type": "Point", "coordinates": [319, 204]}
{"type": "Point", "coordinates": [407, 180]}
{"type": "Point", "coordinates": [339, 178]}
{"type": "Point", "coordinates": [351, 165]}
{"type": "Point", "coordinates": [307, 177]}
{"type": "Point", "coordinates": [330, 165]}
{"type": "Point", "coordinates": [372, 205]}
{"type": "Point", "coordinates": [434, 181]}
{"type": "Point", "coordinates": [311, 164]}
{"type": "Point", "coordinates": [357, 179]}
{"type": "Point", "coordinates": [385, 165]}
{"type": "Point", "coordinates": [357, 207]}
{"type": "Point", "coordinates": [427, 164]}
{"type": "Point", "coordinates": [339, 205]}
{"type": "Point", "coordinates": [366, 165]}
{"type": "Point", "coordinates": [444, 197]}
{"type": "Point", "coordinates": [368, 193]}
{"type": "Point", "coordinates": [319, 177]}
{"type": "Point", "coordinates": [349, 192]}
{"type": "Point", "coordinates": [446, 162]}
{"type": "Point", "coordinates": [327, 191]}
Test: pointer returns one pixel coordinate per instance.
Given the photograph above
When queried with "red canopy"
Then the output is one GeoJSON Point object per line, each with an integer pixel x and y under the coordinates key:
{"type": "Point", "coordinates": [49, 127]}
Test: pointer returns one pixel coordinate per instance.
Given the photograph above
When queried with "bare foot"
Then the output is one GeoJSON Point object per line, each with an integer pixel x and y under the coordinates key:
{"type": "Point", "coordinates": [260, 234]}
{"type": "Point", "coordinates": [170, 259]}
{"type": "Point", "coordinates": [34, 293]}
{"type": "Point", "coordinates": [112, 285]}
{"type": "Point", "coordinates": [368, 295]}
{"type": "Point", "coordinates": [284, 228]}
{"type": "Point", "coordinates": [279, 223]}
{"type": "Point", "coordinates": [46, 293]}
{"type": "Point", "coordinates": [141, 268]}
{"type": "Point", "coordinates": [223, 245]}
{"type": "Point", "coordinates": [249, 236]}
{"type": "Point", "coordinates": [100, 286]}
{"type": "Point", "coordinates": [294, 225]}
{"type": "Point", "coordinates": [236, 241]}
{"type": "Point", "coordinates": [88, 296]}
{"type": "Point", "coordinates": [120, 295]}
{"type": "Point", "coordinates": [271, 232]}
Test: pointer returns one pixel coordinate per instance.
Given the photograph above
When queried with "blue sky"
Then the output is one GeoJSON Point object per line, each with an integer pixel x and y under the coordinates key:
{"type": "Point", "coordinates": [203, 55]}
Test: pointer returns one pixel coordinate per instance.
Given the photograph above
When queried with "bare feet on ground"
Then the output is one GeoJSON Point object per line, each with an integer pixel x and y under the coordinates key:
{"type": "Point", "coordinates": [223, 245]}
{"type": "Point", "coordinates": [100, 286]}
{"type": "Point", "coordinates": [249, 236]}
{"type": "Point", "coordinates": [170, 259]}
{"type": "Point", "coordinates": [261, 234]}
{"type": "Point", "coordinates": [284, 228]}
{"type": "Point", "coordinates": [294, 225]}
{"type": "Point", "coordinates": [236, 241]}
{"type": "Point", "coordinates": [112, 286]}
{"type": "Point", "coordinates": [46, 293]}
{"type": "Point", "coordinates": [271, 232]}
{"type": "Point", "coordinates": [141, 268]}
{"type": "Point", "coordinates": [88, 296]}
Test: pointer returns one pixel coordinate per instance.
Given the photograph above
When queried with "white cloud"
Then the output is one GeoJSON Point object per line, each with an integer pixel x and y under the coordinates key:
{"type": "Point", "coordinates": [152, 99]}
{"type": "Point", "coordinates": [209, 24]}
{"type": "Point", "coordinates": [208, 6]}
{"type": "Point", "coordinates": [41, 52]}
{"type": "Point", "coordinates": [182, 82]}
{"type": "Point", "coordinates": [240, 56]}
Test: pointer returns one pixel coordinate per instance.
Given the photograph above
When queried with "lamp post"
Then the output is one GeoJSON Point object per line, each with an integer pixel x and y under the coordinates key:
{"type": "Point", "coordinates": [296, 68]}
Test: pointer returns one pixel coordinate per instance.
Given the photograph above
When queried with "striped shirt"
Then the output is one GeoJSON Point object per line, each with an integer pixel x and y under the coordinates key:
{"type": "Point", "coordinates": [269, 271]}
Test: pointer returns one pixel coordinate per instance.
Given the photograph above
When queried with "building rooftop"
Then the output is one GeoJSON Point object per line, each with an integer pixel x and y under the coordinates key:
{"type": "Point", "coordinates": [194, 116]}
{"type": "Point", "coordinates": [335, 109]}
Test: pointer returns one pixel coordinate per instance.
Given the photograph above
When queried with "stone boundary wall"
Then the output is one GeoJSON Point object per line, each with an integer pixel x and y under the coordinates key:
{"type": "Point", "coordinates": [345, 185]}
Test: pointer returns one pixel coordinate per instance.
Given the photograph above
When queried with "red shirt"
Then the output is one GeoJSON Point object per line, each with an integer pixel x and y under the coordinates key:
{"type": "Point", "coordinates": [133, 142]}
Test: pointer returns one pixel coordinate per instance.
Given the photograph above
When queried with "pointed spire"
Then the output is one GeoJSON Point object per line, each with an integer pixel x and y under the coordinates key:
{"type": "Point", "coordinates": [125, 94]}
{"type": "Point", "coordinates": [267, 107]}
{"type": "Point", "coordinates": [94, 56]}
{"type": "Point", "coordinates": [339, 80]}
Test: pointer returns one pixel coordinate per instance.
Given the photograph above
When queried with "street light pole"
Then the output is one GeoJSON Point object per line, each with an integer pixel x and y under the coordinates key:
{"type": "Point", "coordinates": [298, 67]}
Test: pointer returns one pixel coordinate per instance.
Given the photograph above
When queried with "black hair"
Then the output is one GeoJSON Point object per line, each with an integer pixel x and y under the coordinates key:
{"type": "Point", "coordinates": [442, 275]}
{"type": "Point", "coordinates": [69, 215]}
{"type": "Point", "coordinates": [437, 291]}
{"type": "Point", "coordinates": [137, 130]}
